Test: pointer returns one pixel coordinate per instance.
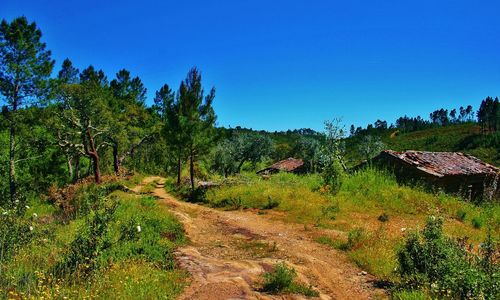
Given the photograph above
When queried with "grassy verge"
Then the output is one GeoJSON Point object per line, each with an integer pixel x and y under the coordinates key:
{"type": "Point", "coordinates": [111, 245]}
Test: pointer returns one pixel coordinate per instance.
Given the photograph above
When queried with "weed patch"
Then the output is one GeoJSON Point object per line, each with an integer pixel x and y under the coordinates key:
{"type": "Point", "coordinates": [282, 280]}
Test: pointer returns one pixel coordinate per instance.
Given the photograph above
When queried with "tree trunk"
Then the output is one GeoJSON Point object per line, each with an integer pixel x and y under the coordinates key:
{"type": "Point", "coordinates": [191, 170]}
{"type": "Point", "coordinates": [116, 160]}
{"type": "Point", "coordinates": [70, 167]}
{"type": "Point", "coordinates": [94, 156]}
{"type": "Point", "coordinates": [240, 165]}
{"type": "Point", "coordinates": [12, 150]}
{"type": "Point", "coordinates": [12, 162]}
{"type": "Point", "coordinates": [77, 169]}
{"type": "Point", "coordinates": [179, 170]}
{"type": "Point", "coordinates": [95, 166]}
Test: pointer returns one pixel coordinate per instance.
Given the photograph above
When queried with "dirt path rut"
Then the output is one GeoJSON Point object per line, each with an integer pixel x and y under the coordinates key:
{"type": "Point", "coordinates": [229, 251]}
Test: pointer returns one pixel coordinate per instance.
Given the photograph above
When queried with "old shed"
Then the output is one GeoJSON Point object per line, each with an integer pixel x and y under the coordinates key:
{"type": "Point", "coordinates": [453, 172]}
{"type": "Point", "coordinates": [290, 164]}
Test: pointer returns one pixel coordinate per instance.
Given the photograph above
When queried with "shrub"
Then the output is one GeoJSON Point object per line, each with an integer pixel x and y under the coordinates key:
{"type": "Point", "coordinates": [461, 214]}
{"type": "Point", "coordinates": [271, 203]}
{"type": "Point", "coordinates": [431, 261]}
{"type": "Point", "coordinates": [282, 280]}
{"type": "Point", "coordinates": [15, 232]}
{"type": "Point", "coordinates": [477, 222]}
{"type": "Point", "coordinates": [333, 175]}
{"type": "Point", "coordinates": [355, 238]}
{"type": "Point", "coordinates": [82, 255]}
{"type": "Point", "coordinates": [383, 217]}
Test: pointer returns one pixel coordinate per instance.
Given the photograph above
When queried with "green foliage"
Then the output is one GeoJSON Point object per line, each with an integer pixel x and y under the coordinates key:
{"type": "Point", "coordinates": [25, 67]}
{"type": "Point", "coordinates": [477, 222]}
{"type": "Point", "coordinates": [82, 255]}
{"type": "Point", "coordinates": [430, 260]}
{"type": "Point", "coordinates": [25, 64]}
{"type": "Point", "coordinates": [14, 233]}
{"type": "Point", "coordinates": [461, 214]}
{"type": "Point", "coordinates": [331, 155]}
{"type": "Point", "coordinates": [308, 149]}
{"type": "Point", "coordinates": [232, 153]}
{"type": "Point", "coordinates": [370, 146]}
{"type": "Point", "coordinates": [271, 203]}
{"type": "Point", "coordinates": [282, 280]}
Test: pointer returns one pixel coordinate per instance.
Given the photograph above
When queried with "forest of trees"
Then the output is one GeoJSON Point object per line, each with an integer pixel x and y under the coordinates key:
{"type": "Point", "coordinates": [64, 127]}
{"type": "Point", "coordinates": [488, 116]}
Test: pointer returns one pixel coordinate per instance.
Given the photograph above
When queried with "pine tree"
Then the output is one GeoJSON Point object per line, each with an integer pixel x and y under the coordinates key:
{"type": "Point", "coordinates": [197, 118]}
{"type": "Point", "coordinates": [25, 67]}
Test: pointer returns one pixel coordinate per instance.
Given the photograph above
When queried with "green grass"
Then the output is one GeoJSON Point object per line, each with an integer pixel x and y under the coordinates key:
{"type": "Point", "coordinates": [136, 260]}
{"type": "Point", "coordinates": [148, 188]}
{"type": "Point", "coordinates": [282, 192]}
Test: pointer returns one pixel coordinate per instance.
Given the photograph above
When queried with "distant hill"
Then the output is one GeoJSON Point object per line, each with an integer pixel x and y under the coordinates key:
{"type": "Point", "coordinates": [465, 138]}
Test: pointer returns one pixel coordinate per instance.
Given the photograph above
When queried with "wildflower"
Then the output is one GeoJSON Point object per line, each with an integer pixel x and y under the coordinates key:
{"type": "Point", "coordinates": [27, 207]}
{"type": "Point", "coordinates": [31, 228]}
{"type": "Point", "coordinates": [138, 228]}
{"type": "Point", "coordinates": [403, 229]}
{"type": "Point", "coordinates": [35, 215]}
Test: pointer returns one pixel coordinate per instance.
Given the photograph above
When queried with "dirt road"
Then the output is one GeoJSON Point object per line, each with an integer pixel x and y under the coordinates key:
{"type": "Point", "coordinates": [229, 251]}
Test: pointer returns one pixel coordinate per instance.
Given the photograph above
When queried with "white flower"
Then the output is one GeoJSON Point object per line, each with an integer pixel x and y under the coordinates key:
{"type": "Point", "coordinates": [31, 228]}
{"type": "Point", "coordinates": [35, 215]}
{"type": "Point", "coordinates": [138, 228]}
{"type": "Point", "coordinates": [403, 229]}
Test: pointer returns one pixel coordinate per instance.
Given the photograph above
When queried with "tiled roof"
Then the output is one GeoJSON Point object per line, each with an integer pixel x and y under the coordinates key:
{"type": "Point", "coordinates": [445, 163]}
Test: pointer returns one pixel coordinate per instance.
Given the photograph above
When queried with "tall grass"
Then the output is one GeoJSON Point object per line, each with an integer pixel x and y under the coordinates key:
{"type": "Point", "coordinates": [298, 196]}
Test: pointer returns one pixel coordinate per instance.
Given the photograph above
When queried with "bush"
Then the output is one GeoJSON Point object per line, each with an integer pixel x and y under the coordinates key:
{"type": "Point", "coordinates": [461, 214]}
{"type": "Point", "coordinates": [15, 232]}
{"type": "Point", "coordinates": [383, 217]}
{"type": "Point", "coordinates": [333, 175]}
{"type": "Point", "coordinates": [477, 222]}
{"type": "Point", "coordinates": [82, 256]}
{"type": "Point", "coordinates": [271, 203]}
{"type": "Point", "coordinates": [282, 280]}
{"type": "Point", "coordinates": [431, 261]}
{"type": "Point", "coordinates": [355, 238]}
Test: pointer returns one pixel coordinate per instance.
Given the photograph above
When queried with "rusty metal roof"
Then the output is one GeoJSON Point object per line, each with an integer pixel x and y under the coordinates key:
{"type": "Point", "coordinates": [290, 164]}
{"type": "Point", "coordinates": [445, 163]}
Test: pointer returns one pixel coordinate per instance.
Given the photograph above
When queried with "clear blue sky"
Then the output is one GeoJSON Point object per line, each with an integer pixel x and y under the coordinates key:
{"type": "Point", "coordinates": [288, 64]}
